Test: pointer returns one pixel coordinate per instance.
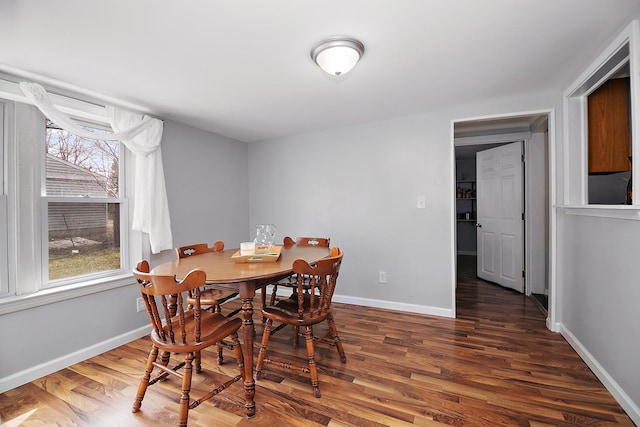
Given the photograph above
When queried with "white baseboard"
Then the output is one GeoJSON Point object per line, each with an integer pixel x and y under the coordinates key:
{"type": "Point", "coordinates": [33, 373]}
{"type": "Point", "coordinates": [391, 305]}
{"type": "Point", "coordinates": [614, 388]}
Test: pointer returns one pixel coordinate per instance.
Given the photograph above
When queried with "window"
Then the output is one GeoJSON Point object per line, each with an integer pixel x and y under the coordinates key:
{"type": "Point", "coordinates": [4, 239]}
{"type": "Point", "coordinates": [609, 140]}
{"type": "Point", "coordinates": [64, 211]}
{"type": "Point", "coordinates": [599, 136]}
{"type": "Point", "coordinates": [83, 204]}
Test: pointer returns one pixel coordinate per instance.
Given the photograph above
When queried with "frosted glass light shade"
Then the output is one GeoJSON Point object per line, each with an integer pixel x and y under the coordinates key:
{"type": "Point", "coordinates": [338, 55]}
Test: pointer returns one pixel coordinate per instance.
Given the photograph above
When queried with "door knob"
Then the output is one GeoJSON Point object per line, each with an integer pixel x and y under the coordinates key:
{"type": "Point", "coordinates": [478, 225]}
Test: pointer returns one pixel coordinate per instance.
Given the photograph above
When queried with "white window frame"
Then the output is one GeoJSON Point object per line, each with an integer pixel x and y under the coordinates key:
{"type": "Point", "coordinates": [124, 226]}
{"type": "Point", "coordinates": [124, 223]}
{"type": "Point", "coordinates": [26, 204]}
{"type": "Point", "coordinates": [624, 48]}
{"type": "Point", "coordinates": [5, 288]}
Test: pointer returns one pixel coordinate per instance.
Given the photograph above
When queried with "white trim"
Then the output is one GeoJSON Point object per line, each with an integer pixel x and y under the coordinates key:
{"type": "Point", "coordinates": [491, 139]}
{"type": "Point", "coordinates": [627, 403]}
{"type": "Point", "coordinates": [4, 206]}
{"type": "Point", "coordinates": [51, 366]}
{"type": "Point", "coordinates": [4, 246]}
{"type": "Point", "coordinates": [634, 119]}
{"type": "Point", "coordinates": [391, 305]}
{"type": "Point", "coordinates": [453, 224]}
{"type": "Point", "coordinates": [628, 212]}
{"type": "Point", "coordinates": [550, 113]}
{"type": "Point", "coordinates": [73, 107]}
{"type": "Point", "coordinates": [553, 216]}
{"type": "Point", "coordinates": [624, 48]}
{"type": "Point", "coordinates": [63, 293]}
{"type": "Point", "coordinates": [82, 199]}
{"type": "Point", "coordinates": [93, 105]}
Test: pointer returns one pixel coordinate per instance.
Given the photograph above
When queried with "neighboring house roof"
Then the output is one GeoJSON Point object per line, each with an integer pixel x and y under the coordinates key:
{"type": "Point", "coordinates": [66, 179]}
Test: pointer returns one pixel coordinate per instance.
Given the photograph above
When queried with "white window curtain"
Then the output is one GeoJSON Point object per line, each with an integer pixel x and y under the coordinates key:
{"type": "Point", "coordinates": [141, 135]}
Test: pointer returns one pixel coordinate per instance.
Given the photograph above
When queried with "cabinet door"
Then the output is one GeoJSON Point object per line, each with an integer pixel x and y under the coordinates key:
{"type": "Point", "coordinates": [608, 126]}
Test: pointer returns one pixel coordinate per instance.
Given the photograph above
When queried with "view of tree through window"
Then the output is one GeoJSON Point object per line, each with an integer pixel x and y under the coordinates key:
{"type": "Point", "coordinates": [82, 188]}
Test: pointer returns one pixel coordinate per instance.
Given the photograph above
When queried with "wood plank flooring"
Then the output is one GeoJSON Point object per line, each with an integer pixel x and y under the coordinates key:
{"type": "Point", "coordinates": [495, 365]}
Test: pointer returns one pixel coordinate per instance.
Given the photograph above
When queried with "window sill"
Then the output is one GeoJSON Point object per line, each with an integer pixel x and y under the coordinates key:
{"type": "Point", "coordinates": [62, 293]}
{"type": "Point", "coordinates": [628, 212]}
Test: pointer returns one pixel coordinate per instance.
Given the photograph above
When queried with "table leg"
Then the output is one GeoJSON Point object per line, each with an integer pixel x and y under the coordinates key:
{"type": "Point", "coordinates": [249, 382]}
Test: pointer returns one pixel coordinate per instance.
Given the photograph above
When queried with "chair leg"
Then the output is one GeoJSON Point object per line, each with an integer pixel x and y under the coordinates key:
{"type": "Point", "coordinates": [237, 350]}
{"type": "Point", "coordinates": [263, 348]}
{"type": "Point", "coordinates": [198, 358]}
{"type": "Point", "coordinates": [296, 336]}
{"type": "Point", "coordinates": [220, 355]}
{"type": "Point", "coordinates": [144, 382]}
{"type": "Point", "coordinates": [313, 369]}
{"type": "Point", "coordinates": [336, 339]}
{"type": "Point", "coordinates": [263, 297]}
{"type": "Point", "coordinates": [186, 389]}
{"type": "Point", "coordinates": [165, 356]}
{"type": "Point", "coordinates": [274, 294]}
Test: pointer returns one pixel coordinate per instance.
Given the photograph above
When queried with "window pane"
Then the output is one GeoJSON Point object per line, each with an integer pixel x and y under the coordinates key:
{"type": "Point", "coordinates": [84, 238]}
{"type": "Point", "coordinates": [609, 141]}
{"type": "Point", "coordinates": [78, 166]}
{"type": "Point", "coordinates": [4, 273]}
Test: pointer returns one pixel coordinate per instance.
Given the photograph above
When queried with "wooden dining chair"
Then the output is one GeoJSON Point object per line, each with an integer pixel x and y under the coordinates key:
{"type": "Point", "coordinates": [211, 295]}
{"type": "Point", "coordinates": [290, 281]}
{"type": "Point", "coordinates": [188, 332]}
{"type": "Point", "coordinates": [306, 310]}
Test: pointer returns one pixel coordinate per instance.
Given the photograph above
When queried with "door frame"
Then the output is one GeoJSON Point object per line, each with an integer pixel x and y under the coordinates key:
{"type": "Point", "coordinates": [552, 240]}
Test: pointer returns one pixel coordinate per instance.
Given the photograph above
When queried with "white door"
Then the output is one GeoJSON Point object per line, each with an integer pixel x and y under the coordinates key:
{"type": "Point", "coordinates": [500, 206]}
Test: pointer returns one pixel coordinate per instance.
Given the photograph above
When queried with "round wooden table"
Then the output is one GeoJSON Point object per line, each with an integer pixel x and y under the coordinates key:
{"type": "Point", "coordinates": [222, 270]}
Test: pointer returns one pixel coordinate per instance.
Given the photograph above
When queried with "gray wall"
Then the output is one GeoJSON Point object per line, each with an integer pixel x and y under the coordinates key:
{"type": "Point", "coordinates": [207, 187]}
{"type": "Point", "coordinates": [358, 185]}
{"type": "Point", "coordinates": [58, 330]}
{"type": "Point", "coordinates": [206, 177]}
{"type": "Point", "coordinates": [599, 297]}
{"type": "Point", "coordinates": [597, 278]}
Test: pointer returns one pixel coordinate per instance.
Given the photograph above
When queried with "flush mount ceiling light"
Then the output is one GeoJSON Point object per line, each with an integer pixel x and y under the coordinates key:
{"type": "Point", "coordinates": [337, 55]}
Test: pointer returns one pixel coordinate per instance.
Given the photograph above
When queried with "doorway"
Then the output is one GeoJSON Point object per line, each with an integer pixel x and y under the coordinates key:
{"type": "Point", "coordinates": [474, 135]}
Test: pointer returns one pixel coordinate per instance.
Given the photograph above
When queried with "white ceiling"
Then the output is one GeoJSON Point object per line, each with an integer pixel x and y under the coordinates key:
{"type": "Point", "coordinates": [241, 68]}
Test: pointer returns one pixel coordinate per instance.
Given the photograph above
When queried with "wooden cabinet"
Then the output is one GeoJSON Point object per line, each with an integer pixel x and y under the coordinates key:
{"type": "Point", "coordinates": [609, 127]}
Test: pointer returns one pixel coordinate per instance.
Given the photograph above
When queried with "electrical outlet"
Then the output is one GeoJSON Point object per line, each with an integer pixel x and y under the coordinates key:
{"type": "Point", "coordinates": [382, 276]}
{"type": "Point", "coordinates": [421, 202]}
{"type": "Point", "coordinates": [140, 305]}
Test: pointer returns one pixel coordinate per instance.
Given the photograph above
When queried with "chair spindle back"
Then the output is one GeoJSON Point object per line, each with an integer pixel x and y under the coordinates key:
{"type": "Point", "coordinates": [317, 283]}
{"type": "Point", "coordinates": [157, 291]}
{"type": "Point", "coordinates": [199, 248]}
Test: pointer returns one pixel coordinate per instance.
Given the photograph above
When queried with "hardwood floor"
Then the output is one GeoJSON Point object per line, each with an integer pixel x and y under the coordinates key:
{"type": "Point", "coordinates": [495, 365]}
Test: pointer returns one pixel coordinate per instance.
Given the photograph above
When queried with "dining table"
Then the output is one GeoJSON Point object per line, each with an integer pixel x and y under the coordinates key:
{"type": "Point", "coordinates": [223, 269]}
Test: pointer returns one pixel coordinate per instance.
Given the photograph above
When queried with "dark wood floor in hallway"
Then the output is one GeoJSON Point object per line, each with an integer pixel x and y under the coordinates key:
{"type": "Point", "coordinates": [495, 365]}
